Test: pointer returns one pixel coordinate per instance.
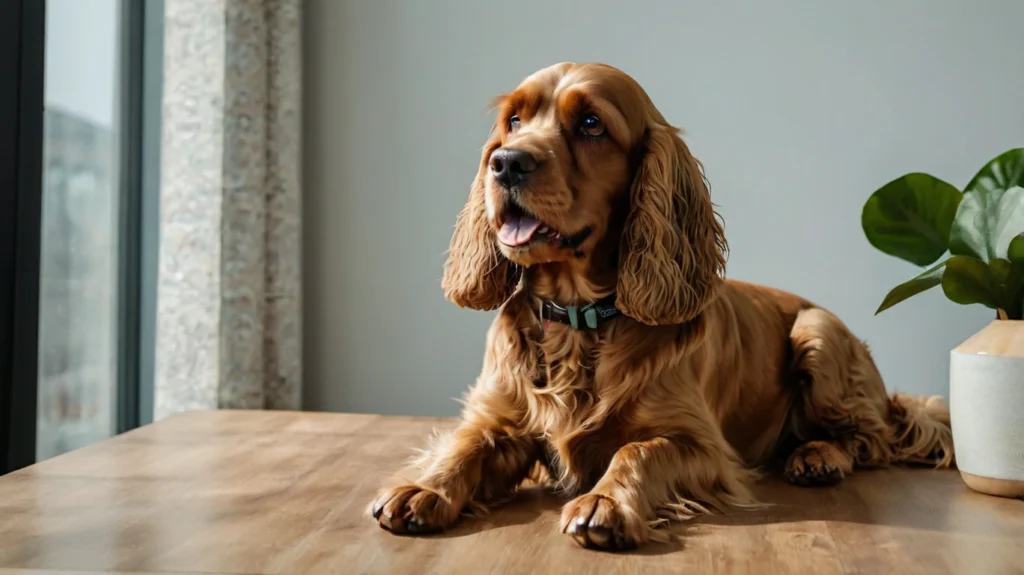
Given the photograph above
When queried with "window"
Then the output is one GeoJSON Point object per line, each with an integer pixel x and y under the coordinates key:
{"type": "Point", "coordinates": [73, 277]}
{"type": "Point", "coordinates": [78, 289]}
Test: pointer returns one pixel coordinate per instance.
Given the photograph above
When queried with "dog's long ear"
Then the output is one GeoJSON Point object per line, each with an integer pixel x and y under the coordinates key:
{"type": "Point", "coordinates": [476, 274]}
{"type": "Point", "coordinates": [672, 252]}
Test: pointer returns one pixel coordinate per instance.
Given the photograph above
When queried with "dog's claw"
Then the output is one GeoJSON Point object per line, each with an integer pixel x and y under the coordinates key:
{"type": "Point", "coordinates": [387, 522]}
{"type": "Point", "coordinates": [597, 524]}
{"type": "Point", "coordinates": [417, 526]}
{"type": "Point", "coordinates": [599, 535]}
{"type": "Point", "coordinates": [411, 509]}
{"type": "Point", "coordinates": [579, 534]}
{"type": "Point", "coordinates": [809, 467]}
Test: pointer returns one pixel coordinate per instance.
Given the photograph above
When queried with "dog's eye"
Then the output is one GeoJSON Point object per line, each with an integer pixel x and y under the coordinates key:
{"type": "Point", "coordinates": [592, 127]}
{"type": "Point", "coordinates": [513, 122]}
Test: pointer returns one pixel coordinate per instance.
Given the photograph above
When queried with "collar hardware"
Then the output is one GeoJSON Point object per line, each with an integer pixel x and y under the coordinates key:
{"type": "Point", "coordinates": [589, 316]}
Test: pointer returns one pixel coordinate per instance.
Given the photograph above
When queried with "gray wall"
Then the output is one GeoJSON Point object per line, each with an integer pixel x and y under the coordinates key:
{"type": "Point", "coordinates": [799, 111]}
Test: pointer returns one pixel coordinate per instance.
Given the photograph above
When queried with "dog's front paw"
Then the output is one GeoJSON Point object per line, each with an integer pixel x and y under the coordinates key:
{"type": "Point", "coordinates": [412, 509]}
{"type": "Point", "coordinates": [599, 522]}
{"type": "Point", "coordinates": [817, 463]}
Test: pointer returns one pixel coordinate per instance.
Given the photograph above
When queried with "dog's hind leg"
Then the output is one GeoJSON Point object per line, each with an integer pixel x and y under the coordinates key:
{"type": "Point", "coordinates": [845, 414]}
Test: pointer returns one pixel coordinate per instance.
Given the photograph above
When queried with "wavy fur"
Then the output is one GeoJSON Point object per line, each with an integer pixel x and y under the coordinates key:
{"type": "Point", "coordinates": [670, 411]}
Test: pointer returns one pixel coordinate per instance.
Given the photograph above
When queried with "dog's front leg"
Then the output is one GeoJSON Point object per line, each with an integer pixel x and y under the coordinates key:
{"type": "Point", "coordinates": [649, 481]}
{"type": "Point", "coordinates": [477, 462]}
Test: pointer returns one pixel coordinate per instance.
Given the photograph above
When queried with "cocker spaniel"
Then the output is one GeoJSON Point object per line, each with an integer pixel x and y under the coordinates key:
{"type": "Point", "coordinates": [621, 366]}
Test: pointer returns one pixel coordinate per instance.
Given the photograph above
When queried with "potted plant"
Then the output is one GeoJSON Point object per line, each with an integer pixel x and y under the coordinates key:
{"type": "Point", "coordinates": [972, 244]}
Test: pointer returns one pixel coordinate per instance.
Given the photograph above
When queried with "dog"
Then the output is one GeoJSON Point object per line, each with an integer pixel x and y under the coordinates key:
{"type": "Point", "coordinates": [622, 368]}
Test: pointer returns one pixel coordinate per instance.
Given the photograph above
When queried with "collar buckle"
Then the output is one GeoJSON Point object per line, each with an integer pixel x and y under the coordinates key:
{"type": "Point", "coordinates": [589, 316]}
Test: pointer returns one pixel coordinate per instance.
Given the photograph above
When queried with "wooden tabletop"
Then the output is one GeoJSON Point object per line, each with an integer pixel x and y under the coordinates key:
{"type": "Point", "coordinates": [280, 492]}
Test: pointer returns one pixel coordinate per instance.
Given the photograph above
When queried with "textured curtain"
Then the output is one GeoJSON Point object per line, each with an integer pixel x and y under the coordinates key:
{"type": "Point", "coordinates": [229, 308]}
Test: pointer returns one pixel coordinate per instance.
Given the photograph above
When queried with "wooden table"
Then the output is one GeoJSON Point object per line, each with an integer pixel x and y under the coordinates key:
{"type": "Point", "coordinates": [280, 492]}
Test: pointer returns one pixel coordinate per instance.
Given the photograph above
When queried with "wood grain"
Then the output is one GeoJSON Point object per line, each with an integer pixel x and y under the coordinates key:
{"type": "Point", "coordinates": [281, 492]}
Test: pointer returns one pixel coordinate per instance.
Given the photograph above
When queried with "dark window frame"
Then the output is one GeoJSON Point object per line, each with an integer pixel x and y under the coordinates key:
{"type": "Point", "coordinates": [22, 45]}
{"type": "Point", "coordinates": [130, 216]}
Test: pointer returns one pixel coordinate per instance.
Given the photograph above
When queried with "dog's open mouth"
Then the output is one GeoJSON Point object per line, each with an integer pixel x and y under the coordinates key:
{"type": "Point", "coordinates": [520, 228]}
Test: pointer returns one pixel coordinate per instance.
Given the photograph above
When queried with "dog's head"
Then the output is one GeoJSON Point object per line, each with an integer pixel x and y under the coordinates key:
{"type": "Point", "coordinates": [579, 157]}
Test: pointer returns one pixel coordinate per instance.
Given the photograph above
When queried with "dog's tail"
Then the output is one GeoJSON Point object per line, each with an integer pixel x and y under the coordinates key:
{"type": "Point", "coordinates": [922, 432]}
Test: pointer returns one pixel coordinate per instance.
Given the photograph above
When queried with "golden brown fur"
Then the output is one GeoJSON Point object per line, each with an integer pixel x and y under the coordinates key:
{"type": "Point", "coordinates": [666, 412]}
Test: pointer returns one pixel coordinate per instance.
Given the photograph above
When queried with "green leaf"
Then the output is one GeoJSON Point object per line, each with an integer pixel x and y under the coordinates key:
{"type": "Point", "coordinates": [992, 211]}
{"type": "Point", "coordinates": [910, 217]}
{"type": "Point", "coordinates": [1015, 252]}
{"type": "Point", "coordinates": [968, 281]}
{"type": "Point", "coordinates": [922, 282]}
{"type": "Point", "coordinates": [986, 222]}
{"type": "Point", "coordinates": [1002, 172]}
{"type": "Point", "coordinates": [1008, 280]}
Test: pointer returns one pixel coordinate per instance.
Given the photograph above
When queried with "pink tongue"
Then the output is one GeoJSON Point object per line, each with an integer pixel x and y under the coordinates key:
{"type": "Point", "coordinates": [517, 230]}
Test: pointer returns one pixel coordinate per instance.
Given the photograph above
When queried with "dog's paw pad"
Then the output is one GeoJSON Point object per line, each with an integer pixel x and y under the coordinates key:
{"type": "Point", "coordinates": [597, 522]}
{"type": "Point", "coordinates": [411, 509]}
{"type": "Point", "coordinates": [815, 464]}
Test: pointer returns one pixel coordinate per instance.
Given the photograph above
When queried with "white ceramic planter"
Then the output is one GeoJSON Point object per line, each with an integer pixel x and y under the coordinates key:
{"type": "Point", "coordinates": [986, 400]}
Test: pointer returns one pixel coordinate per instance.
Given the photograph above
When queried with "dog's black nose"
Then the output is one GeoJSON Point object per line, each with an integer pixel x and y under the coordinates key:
{"type": "Point", "coordinates": [510, 166]}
